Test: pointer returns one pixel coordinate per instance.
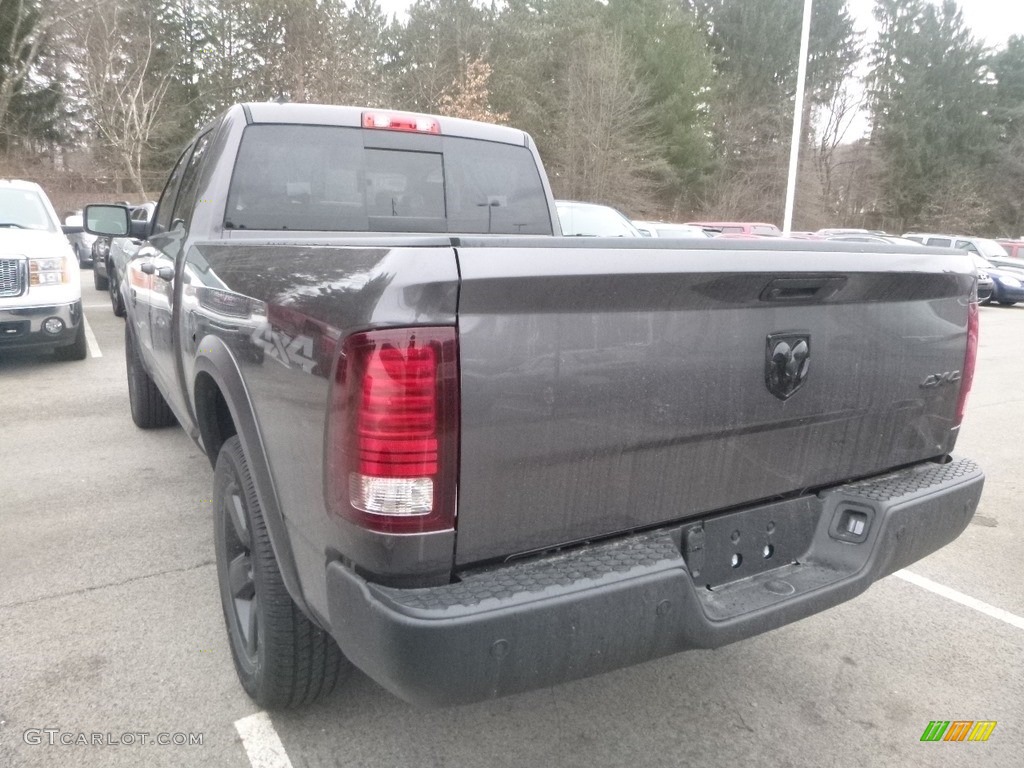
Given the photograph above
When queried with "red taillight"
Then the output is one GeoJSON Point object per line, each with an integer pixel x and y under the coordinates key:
{"type": "Point", "coordinates": [394, 430]}
{"type": "Point", "coordinates": [969, 360]}
{"type": "Point", "coordinates": [396, 121]}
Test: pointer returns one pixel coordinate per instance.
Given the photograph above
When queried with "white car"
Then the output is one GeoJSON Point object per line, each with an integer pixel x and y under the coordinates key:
{"type": "Point", "coordinates": [593, 220]}
{"type": "Point", "coordinates": [40, 287]}
{"type": "Point", "coordinates": [670, 230]}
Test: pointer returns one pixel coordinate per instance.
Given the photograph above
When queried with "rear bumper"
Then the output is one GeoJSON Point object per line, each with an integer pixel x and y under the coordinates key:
{"type": "Point", "coordinates": [22, 327]}
{"type": "Point", "coordinates": [536, 623]}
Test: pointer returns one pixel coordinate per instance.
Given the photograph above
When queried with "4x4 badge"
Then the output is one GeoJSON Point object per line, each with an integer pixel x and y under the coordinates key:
{"type": "Point", "coordinates": [787, 360]}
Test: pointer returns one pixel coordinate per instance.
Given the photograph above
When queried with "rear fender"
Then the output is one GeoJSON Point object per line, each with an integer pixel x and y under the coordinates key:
{"type": "Point", "coordinates": [218, 363]}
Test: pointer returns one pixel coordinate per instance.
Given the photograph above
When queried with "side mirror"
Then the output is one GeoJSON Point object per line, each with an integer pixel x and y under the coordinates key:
{"type": "Point", "coordinates": [140, 229]}
{"type": "Point", "coordinates": [110, 220]}
{"type": "Point", "coordinates": [72, 229]}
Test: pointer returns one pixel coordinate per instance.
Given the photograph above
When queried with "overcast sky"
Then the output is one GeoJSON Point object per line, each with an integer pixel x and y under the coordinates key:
{"type": "Point", "coordinates": [991, 21]}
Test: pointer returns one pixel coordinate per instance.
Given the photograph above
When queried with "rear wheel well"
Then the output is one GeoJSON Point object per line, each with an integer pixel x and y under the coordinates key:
{"type": "Point", "coordinates": [213, 416]}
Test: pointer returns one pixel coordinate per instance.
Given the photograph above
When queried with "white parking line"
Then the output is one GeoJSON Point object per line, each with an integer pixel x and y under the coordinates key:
{"type": "Point", "coordinates": [959, 597]}
{"type": "Point", "coordinates": [261, 742]}
{"type": "Point", "coordinates": [104, 305]}
{"type": "Point", "coordinates": [90, 338]}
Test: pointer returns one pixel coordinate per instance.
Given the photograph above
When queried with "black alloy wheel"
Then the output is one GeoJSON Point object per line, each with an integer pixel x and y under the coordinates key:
{"type": "Point", "coordinates": [281, 657]}
{"type": "Point", "coordinates": [241, 584]}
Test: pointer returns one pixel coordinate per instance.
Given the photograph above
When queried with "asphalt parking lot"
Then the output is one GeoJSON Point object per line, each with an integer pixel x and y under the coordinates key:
{"type": "Point", "coordinates": [111, 630]}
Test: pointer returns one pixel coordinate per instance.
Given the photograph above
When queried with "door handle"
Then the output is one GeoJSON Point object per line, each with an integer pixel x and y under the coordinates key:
{"type": "Point", "coordinates": [802, 289]}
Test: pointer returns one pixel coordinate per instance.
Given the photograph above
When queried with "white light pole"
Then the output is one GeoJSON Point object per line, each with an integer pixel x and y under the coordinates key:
{"type": "Point", "coordinates": [798, 117]}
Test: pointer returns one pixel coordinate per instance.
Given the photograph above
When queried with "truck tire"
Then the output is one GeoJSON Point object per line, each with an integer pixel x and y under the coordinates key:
{"type": "Point", "coordinates": [149, 409]}
{"type": "Point", "coordinates": [281, 657]}
{"type": "Point", "coordinates": [114, 286]}
{"type": "Point", "coordinates": [99, 282]}
{"type": "Point", "coordinates": [76, 350]}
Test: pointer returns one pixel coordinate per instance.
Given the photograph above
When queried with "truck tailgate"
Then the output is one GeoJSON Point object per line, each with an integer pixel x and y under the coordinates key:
{"type": "Point", "coordinates": [609, 388]}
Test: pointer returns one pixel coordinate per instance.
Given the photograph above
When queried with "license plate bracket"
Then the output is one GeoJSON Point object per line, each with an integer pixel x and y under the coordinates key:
{"type": "Point", "coordinates": [740, 544]}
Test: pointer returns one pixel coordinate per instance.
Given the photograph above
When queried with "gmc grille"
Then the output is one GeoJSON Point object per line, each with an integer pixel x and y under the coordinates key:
{"type": "Point", "coordinates": [10, 278]}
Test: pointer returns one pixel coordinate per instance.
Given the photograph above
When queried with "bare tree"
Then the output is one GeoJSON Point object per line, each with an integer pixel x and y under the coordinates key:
{"type": "Point", "coordinates": [124, 88]}
{"type": "Point", "coordinates": [833, 127]}
{"type": "Point", "coordinates": [605, 146]}
{"type": "Point", "coordinates": [468, 95]}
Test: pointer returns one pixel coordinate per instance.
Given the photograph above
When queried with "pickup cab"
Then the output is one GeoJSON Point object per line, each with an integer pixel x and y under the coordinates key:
{"type": "Point", "coordinates": [472, 457]}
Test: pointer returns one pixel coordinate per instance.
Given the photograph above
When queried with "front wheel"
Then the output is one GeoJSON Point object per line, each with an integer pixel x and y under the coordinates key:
{"type": "Point", "coordinates": [149, 409]}
{"type": "Point", "coordinates": [116, 299]}
{"type": "Point", "coordinates": [281, 657]}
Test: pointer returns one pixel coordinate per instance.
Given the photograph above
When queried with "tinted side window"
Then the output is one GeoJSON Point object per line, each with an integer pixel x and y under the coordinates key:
{"type": "Point", "coordinates": [190, 182]}
{"type": "Point", "coordinates": [940, 242]}
{"type": "Point", "coordinates": [165, 207]}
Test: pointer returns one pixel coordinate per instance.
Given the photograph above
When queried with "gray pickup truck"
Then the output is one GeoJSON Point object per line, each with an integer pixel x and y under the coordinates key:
{"type": "Point", "coordinates": [472, 457]}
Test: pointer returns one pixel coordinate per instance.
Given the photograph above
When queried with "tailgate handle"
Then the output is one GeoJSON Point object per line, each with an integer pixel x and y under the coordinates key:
{"type": "Point", "coordinates": [802, 288]}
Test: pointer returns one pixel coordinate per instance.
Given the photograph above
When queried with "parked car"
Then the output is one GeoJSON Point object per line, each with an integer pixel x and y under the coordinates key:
{"type": "Point", "coordinates": [830, 231]}
{"type": "Point", "coordinates": [980, 245]}
{"type": "Point", "coordinates": [80, 240]}
{"type": "Point", "coordinates": [1007, 264]}
{"type": "Point", "coordinates": [872, 237]}
{"type": "Point", "coordinates": [1007, 288]}
{"type": "Point", "coordinates": [738, 227]}
{"type": "Point", "coordinates": [40, 288]}
{"type": "Point", "coordinates": [1014, 248]}
{"type": "Point", "coordinates": [1007, 285]}
{"type": "Point", "coordinates": [667, 229]}
{"type": "Point", "coordinates": [119, 251]}
{"type": "Point", "coordinates": [593, 220]}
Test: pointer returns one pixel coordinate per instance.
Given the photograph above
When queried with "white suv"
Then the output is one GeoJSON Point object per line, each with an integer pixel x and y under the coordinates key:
{"type": "Point", "coordinates": [40, 287]}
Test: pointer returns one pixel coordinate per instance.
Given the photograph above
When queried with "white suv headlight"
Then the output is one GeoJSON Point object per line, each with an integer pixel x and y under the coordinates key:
{"type": "Point", "coordinates": [55, 271]}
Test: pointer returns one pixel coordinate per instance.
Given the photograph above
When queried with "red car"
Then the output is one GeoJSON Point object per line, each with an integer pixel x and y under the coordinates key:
{"type": "Point", "coordinates": [1014, 248]}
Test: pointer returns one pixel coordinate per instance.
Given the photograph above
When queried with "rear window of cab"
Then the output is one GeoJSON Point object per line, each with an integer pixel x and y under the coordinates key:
{"type": "Point", "coordinates": [323, 178]}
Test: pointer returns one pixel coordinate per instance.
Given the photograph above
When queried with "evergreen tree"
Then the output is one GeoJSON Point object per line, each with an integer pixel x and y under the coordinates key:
{"type": "Point", "coordinates": [756, 49]}
{"type": "Point", "coordinates": [31, 94]}
{"type": "Point", "coordinates": [928, 109]}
